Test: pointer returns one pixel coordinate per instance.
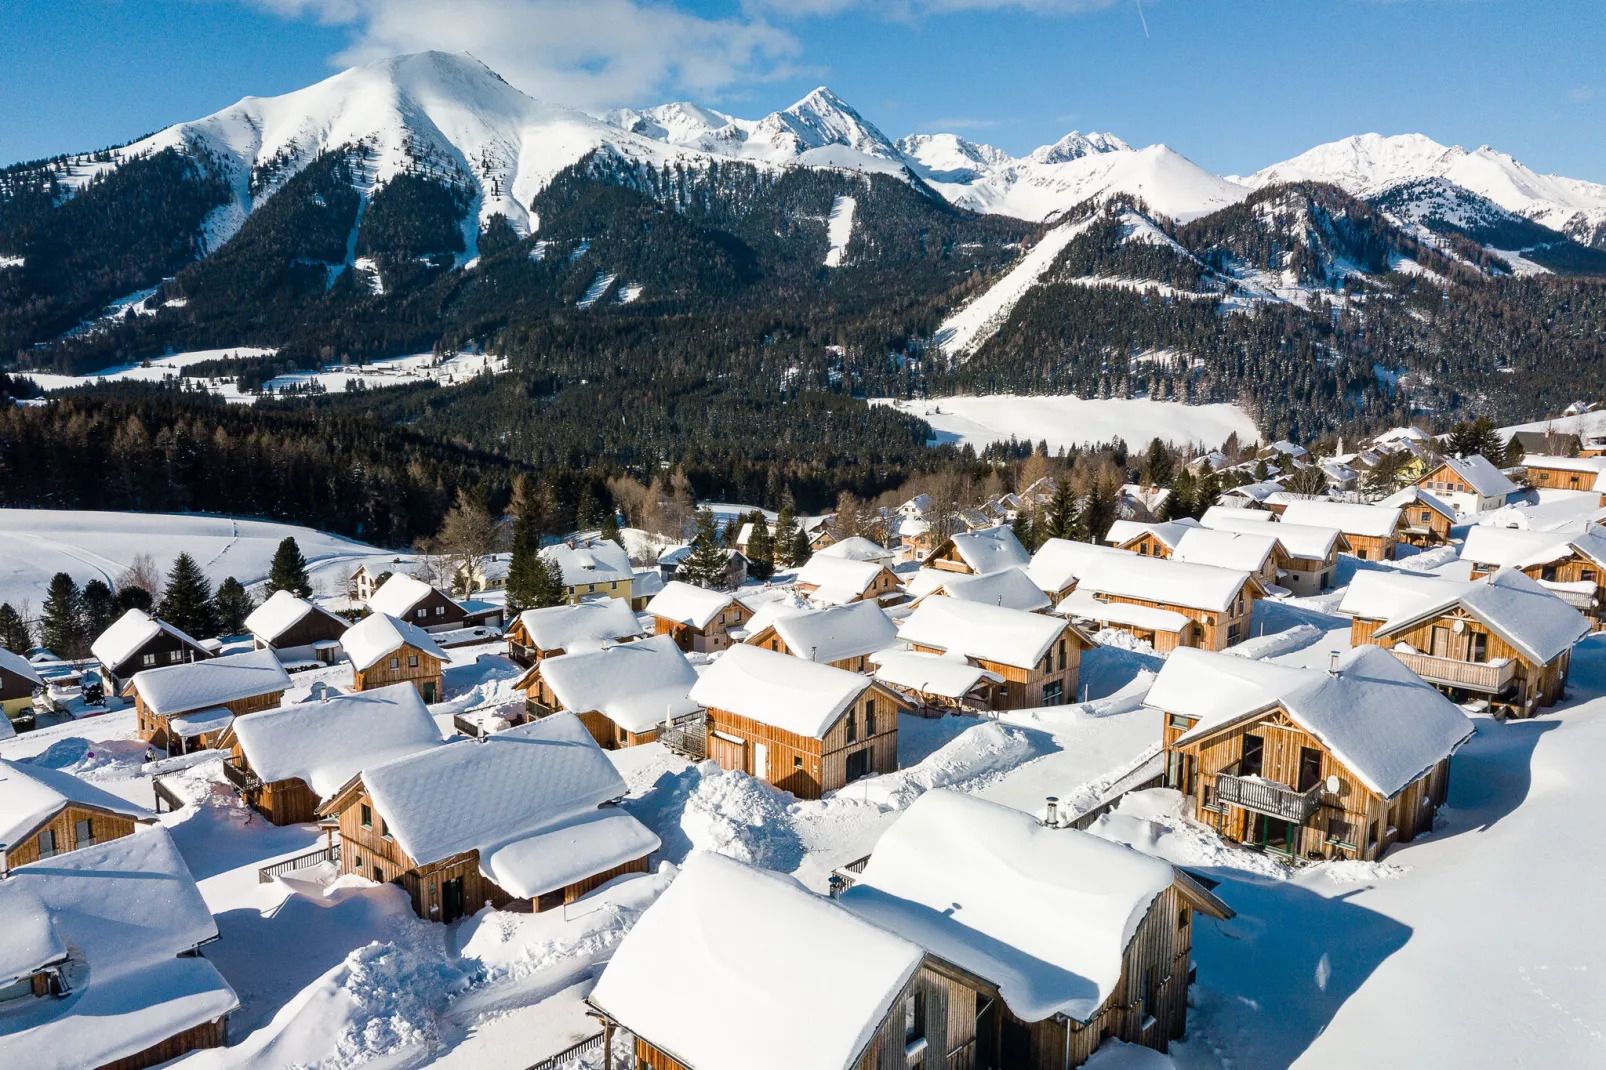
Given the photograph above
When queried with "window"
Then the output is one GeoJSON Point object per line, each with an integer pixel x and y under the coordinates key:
{"type": "Point", "coordinates": [83, 834]}
{"type": "Point", "coordinates": [591, 588]}
{"type": "Point", "coordinates": [914, 1017]}
{"type": "Point", "coordinates": [853, 727]}
{"type": "Point", "coordinates": [1235, 632]}
{"type": "Point", "coordinates": [1426, 516]}
{"type": "Point", "coordinates": [1254, 755]}
{"type": "Point", "coordinates": [47, 844]}
{"type": "Point", "coordinates": [869, 716]}
{"type": "Point", "coordinates": [1184, 918]}
{"type": "Point", "coordinates": [1062, 655]}
{"type": "Point", "coordinates": [379, 873]}
{"type": "Point", "coordinates": [175, 656]}
{"type": "Point", "coordinates": [1053, 693]}
{"type": "Point", "coordinates": [1340, 832]}
{"type": "Point", "coordinates": [395, 663]}
{"type": "Point", "coordinates": [384, 833]}
{"type": "Point", "coordinates": [1587, 574]}
{"type": "Point", "coordinates": [1310, 768]}
{"type": "Point", "coordinates": [148, 659]}
{"type": "Point", "coordinates": [797, 762]}
{"type": "Point", "coordinates": [1360, 554]}
{"type": "Point", "coordinates": [422, 612]}
{"type": "Point", "coordinates": [412, 661]}
{"type": "Point", "coordinates": [1548, 573]}
{"type": "Point", "coordinates": [1176, 720]}
{"type": "Point", "coordinates": [722, 618]}
{"type": "Point", "coordinates": [367, 815]}
{"type": "Point", "coordinates": [624, 737]}
{"type": "Point", "coordinates": [775, 644]}
{"type": "Point", "coordinates": [1478, 650]}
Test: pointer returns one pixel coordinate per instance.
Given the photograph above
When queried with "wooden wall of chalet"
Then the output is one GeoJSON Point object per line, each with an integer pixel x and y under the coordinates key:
{"type": "Point", "coordinates": [433, 611]}
{"type": "Point", "coordinates": [286, 802]}
{"type": "Point", "coordinates": [1023, 688]}
{"type": "Point", "coordinates": [364, 847]}
{"type": "Point", "coordinates": [153, 727]}
{"type": "Point", "coordinates": [1215, 629]}
{"type": "Point", "coordinates": [103, 825]}
{"type": "Point", "coordinates": [824, 761]}
{"type": "Point", "coordinates": [429, 670]}
{"type": "Point", "coordinates": [714, 637]}
{"type": "Point", "coordinates": [1538, 686]}
{"type": "Point", "coordinates": [14, 687]}
{"type": "Point", "coordinates": [213, 1034]}
{"type": "Point", "coordinates": [312, 628]}
{"type": "Point", "coordinates": [1424, 525]}
{"type": "Point", "coordinates": [163, 646]}
{"type": "Point", "coordinates": [1560, 478]}
{"type": "Point", "coordinates": [883, 583]}
{"type": "Point", "coordinates": [542, 701]}
{"type": "Point", "coordinates": [948, 559]}
{"type": "Point", "coordinates": [770, 639]}
{"type": "Point", "coordinates": [1574, 569]}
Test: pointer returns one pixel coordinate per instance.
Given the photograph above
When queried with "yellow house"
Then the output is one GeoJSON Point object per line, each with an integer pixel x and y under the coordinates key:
{"type": "Point", "coordinates": [595, 570]}
{"type": "Point", "coordinates": [17, 681]}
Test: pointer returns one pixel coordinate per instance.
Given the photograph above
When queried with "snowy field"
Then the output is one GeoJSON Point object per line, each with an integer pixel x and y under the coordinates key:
{"type": "Point", "coordinates": [335, 378]}
{"type": "Point", "coordinates": [1067, 420]}
{"type": "Point", "coordinates": [35, 544]}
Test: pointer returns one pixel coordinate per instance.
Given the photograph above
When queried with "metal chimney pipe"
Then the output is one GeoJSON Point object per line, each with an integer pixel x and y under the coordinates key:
{"type": "Point", "coordinates": [1332, 664]}
{"type": "Point", "coordinates": [837, 886]}
{"type": "Point", "coordinates": [1051, 816]}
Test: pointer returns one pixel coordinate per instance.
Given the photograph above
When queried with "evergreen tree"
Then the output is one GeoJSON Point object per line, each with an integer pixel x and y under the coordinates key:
{"type": "Point", "coordinates": [288, 572]}
{"type": "Point", "coordinates": [786, 531]}
{"type": "Point", "coordinates": [1100, 512]}
{"type": "Point", "coordinates": [1262, 473]}
{"type": "Point", "coordinates": [1512, 455]}
{"type": "Point", "coordinates": [233, 606]}
{"type": "Point", "coordinates": [1157, 464]}
{"type": "Point", "coordinates": [61, 624]}
{"type": "Point", "coordinates": [760, 547]}
{"type": "Point", "coordinates": [526, 572]}
{"type": "Point", "coordinates": [705, 566]}
{"type": "Point", "coordinates": [1022, 527]}
{"type": "Point", "coordinates": [1183, 491]}
{"type": "Point", "coordinates": [801, 550]}
{"type": "Point", "coordinates": [134, 598]}
{"type": "Point", "coordinates": [14, 630]}
{"type": "Point", "coordinates": [610, 528]}
{"type": "Point", "coordinates": [1059, 518]}
{"type": "Point", "coordinates": [1205, 492]}
{"type": "Point", "coordinates": [187, 602]}
{"type": "Point", "coordinates": [99, 606]}
{"type": "Point", "coordinates": [548, 588]}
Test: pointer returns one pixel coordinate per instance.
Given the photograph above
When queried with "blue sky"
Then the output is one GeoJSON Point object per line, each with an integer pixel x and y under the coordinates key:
{"type": "Point", "coordinates": [1234, 84]}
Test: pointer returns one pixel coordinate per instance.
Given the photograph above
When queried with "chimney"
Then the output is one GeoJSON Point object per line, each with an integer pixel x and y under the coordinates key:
{"type": "Point", "coordinates": [838, 885]}
{"type": "Point", "coordinates": [1332, 664]}
{"type": "Point", "coordinates": [1051, 815]}
{"type": "Point", "coordinates": [5, 868]}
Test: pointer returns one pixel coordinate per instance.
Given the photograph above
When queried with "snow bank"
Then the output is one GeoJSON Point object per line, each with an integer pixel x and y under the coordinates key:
{"type": "Point", "coordinates": [732, 814]}
{"type": "Point", "coordinates": [988, 748]}
{"type": "Point", "coordinates": [1277, 643]}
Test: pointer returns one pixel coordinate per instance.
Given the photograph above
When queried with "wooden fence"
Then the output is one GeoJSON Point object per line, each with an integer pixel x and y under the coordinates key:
{"type": "Point", "coordinates": [304, 860]}
{"type": "Point", "coordinates": [584, 1047]}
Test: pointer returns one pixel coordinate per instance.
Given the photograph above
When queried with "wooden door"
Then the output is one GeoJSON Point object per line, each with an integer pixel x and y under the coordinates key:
{"type": "Point", "coordinates": [761, 761]}
{"type": "Point", "coordinates": [452, 899]}
{"type": "Point", "coordinates": [730, 754]}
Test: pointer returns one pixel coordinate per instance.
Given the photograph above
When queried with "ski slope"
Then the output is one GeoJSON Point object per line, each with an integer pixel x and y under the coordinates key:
{"type": "Point", "coordinates": [1069, 421]}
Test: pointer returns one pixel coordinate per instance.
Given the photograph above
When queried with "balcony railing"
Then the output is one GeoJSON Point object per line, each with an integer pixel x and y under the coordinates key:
{"type": "Point", "coordinates": [240, 776]}
{"type": "Point", "coordinates": [1268, 797]}
{"type": "Point", "coordinates": [1491, 677]}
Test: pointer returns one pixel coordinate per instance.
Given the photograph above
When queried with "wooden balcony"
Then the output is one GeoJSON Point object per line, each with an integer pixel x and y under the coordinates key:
{"type": "Point", "coordinates": [1268, 797]}
{"type": "Point", "coordinates": [1472, 675]}
{"type": "Point", "coordinates": [240, 776]}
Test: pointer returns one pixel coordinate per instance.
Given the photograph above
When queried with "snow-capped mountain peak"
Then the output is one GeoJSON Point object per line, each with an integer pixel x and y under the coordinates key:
{"type": "Point", "coordinates": [1075, 145]}
{"type": "Point", "coordinates": [823, 118]}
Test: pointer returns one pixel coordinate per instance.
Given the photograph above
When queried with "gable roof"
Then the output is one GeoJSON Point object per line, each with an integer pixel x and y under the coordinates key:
{"type": "Point", "coordinates": [1483, 477]}
{"type": "Point", "coordinates": [1374, 521]}
{"type": "Point", "coordinates": [17, 665]}
{"type": "Point", "coordinates": [688, 604]}
{"type": "Point", "coordinates": [1168, 533]}
{"type": "Point", "coordinates": [1519, 548]}
{"type": "Point", "coordinates": [1254, 492]}
{"type": "Point", "coordinates": [197, 685]}
{"type": "Point", "coordinates": [836, 633]}
{"type": "Point", "coordinates": [324, 744]}
{"type": "Point", "coordinates": [635, 685]}
{"type": "Point", "coordinates": [1302, 541]}
{"type": "Point", "coordinates": [1043, 913]}
{"type": "Point", "coordinates": [601, 561]}
{"type": "Point", "coordinates": [1415, 495]}
{"type": "Point", "coordinates": [1242, 550]}
{"type": "Point", "coordinates": [380, 635]}
{"type": "Point", "coordinates": [988, 633]}
{"type": "Point", "coordinates": [1082, 604]}
{"type": "Point", "coordinates": [839, 579]}
{"type": "Point", "coordinates": [1514, 607]}
{"type": "Point", "coordinates": [990, 549]}
{"type": "Point", "coordinates": [1011, 588]}
{"type": "Point", "coordinates": [581, 626]}
{"type": "Point", "coordinates": [31, 794]}
{"type": "Point", "coordinates": [1058, 563]}
{"type": "Point", "coordinates": [824, 1007]}
{"type": "Point", "coordinates": [1151, 579]}
{"type": "Point", "coordinates": [930, 674]}
{"type": "Point", "coordinates": [1383, 722]}
{"type": "Point", "coordinates": [282, 611]}
{"type": "Point", "coordinates": [399, 594]}
{"type": "Point", "coordinates": [131, 631]}
{"type": "Point", "coordinates": [777, 689]}
{"type": "Point", "coordinates": [1595, 465]}
{"type": "Point", "coordinates": [1384, 594]}
{"type": "Point", "coordinates": [858, 548]}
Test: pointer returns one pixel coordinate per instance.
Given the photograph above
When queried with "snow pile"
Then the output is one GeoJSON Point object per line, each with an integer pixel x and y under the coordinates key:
{"type": "Point", "coordinates": [1349, 871]}
{"type": "Point", "coordinates": [732, 814]}
{"type": "Point", "coordinates": [394, 990]}
{"type": "Point", "coordinates": [985, 750]}
{"type": "Point", "coordinates": [1277, 643]}
{"type": "Point", "coordinates": [1152, 821]}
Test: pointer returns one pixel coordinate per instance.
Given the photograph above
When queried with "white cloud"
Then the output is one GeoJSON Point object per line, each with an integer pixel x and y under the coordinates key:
{"type": "Point", "coordinates": [905, 9]}
{"type": "Point", "coordinates": [595, 54]}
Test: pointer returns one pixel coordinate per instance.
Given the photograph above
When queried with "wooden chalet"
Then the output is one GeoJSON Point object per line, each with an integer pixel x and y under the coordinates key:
{"type": "Point", "coordinates": [1306, 763]}
{"type": "Point", "coordinates": [806, 728]}
{"type": "Point", "coordinates": [1571, 566]}
{"type": "Point", "coordinates": [102, 966]}
{"type": "Point", "coordinates": [1149, 538]}
{"type": "Point", "coordinates": [1258, 554]}
{"type": "Point", "coordinates": [286, 762]}
{"type": "Point", "coordinates": [1011, 588]}
{"type": "Point", "coordinates": [183, 708]}
{"type": "Point", "coordinates": [462, 825]}
{"type": "Point", "coordinates": [836, 581]}
{"type": "Point", "coordinates": [1312, 552]}
{"type": "Point", "coordinates": [1037, 656]}
{"type": "Point", "coordinates": [1566, 473]}
{"type": "Point", "coordinates": [594, 569]}
{"type": "Point", "coordinates": [699, 619]}
{"type": "Point", "coordinates": [1467, 484]}
{"type": "Point", "coordinates": [918, 538]}
{"type": "Point", "coordinates": [972, 883]}
{"type": "Point", "coordinates": [45, 812]}
{"type": "Point", "coordinates": [935, 684]}
{"type": "Point", "coordinates": [842, 636]}
{"type": "Point", "coordinates": [18, 681]}
{"type": "Point", "coordinates": [1373, 531]}
{"type": "Point", "coordinates": [136, 642]}
{"type": "Point", "coordinates": [622, 694]}
{"type": "Point", "coordinates": [978, 552]}
{"type": "Point", "coordinates": [537, 634]}
{"type": "Point", "coordinates": [1503, 639]}
{"type": "Point", "coordinates": [384, 650]}
{"type": "Point", "coordinates": [300, 632]}
{"type": "Point", "coordinates": [859, 548]}
{"type": "Point", "coordinates": [423, 606]}
{"type": "Point", "coordinates": [1427, 519]}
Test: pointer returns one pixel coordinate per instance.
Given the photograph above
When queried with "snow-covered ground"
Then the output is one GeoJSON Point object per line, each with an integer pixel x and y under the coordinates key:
{"type": "Point", "coordinates": [1067, 420]}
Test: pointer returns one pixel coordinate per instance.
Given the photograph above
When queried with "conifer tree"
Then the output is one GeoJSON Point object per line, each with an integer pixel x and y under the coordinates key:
{"type": "Point", "coordinates": [1100, 512]}
{"type": "Point", "coordinates": [1022, 527]}
{"type": "Point", "coordinates": [801, 550]}
{"type": "Point", "coordinates": [786, 530]}
{"type": "Point", "coordinates": [707, 563]}
{"type": "Point", "coordinates": [233, 606]}
{"type": "Point", "coordinates": [610, 528]}
{"type": "Point", "coordinates": [288, 572]}
{"type": "Point", "coordinates": [99, 607]}
{"type": "Point", "coordinates": [1205, 492]}
{"type": "Point", "coordinates": [134, 598]}
{"type": "Point", "coordinates": [760, 547]}
{"type": "Point", "coordinates": [1059, 518]}
{"type": "Point", "coordinates": [526, 572]}
{"type": "Point", "coordinates": [187, 602]}
{"type": "Point", "coordinates": [14, 630]}
{"type": "Point", "coordinates": [1157, 464]}
{"type": "Point", "coordinates": [548, 587]}
{"type": "Point", "coordinates": [61, 627]}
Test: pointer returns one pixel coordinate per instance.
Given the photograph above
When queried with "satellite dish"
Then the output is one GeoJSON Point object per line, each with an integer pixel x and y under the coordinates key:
{"type": "Point", "coordinates": [1459, 626]}
{"type": "Point", "coordinates": [1333, 784]}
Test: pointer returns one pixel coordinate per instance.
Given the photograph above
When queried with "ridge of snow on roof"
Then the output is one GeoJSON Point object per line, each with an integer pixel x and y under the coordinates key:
{"type": "Point", "coordinates": [130, 908]}
{"type": "Point", "coordinates": [688, 604]}
{"type": "Point", "coordinates": [324, 744]}
{"type": "Point", "coordinates": [857, 548]}
{"type": "Point", "coordinates": [1515, 607]}
{"type": "Point", "coordinates": [986, 632]}
{"type": "Point", "coordinates": [379, 635]}
{"type": "Point", "coordinates": [1300, 540]}
{"type": "Point", "coordinates": [282, 611]}
{"type": "Point", "coordinates": [1349, 517]}
{"type": "Point", "coordinates": [930, 674]}
{"type": "Point", "coordinates": [636, 685]}
{"type": "Point", "coordinates": [1388, 594]}
{"type": "Point", "coordinates": [1011, 588]}
{"type": "Point", "coordinates": [1083, 604]}
{"type": "Point", "coordinates": [130, 632]}
{"type": "Point", "coordinates": [1519, 548]}
{"type": "Point", "coordinates": [399, 594]}
{"type": "Point", "coordinates": [1383, 722]}
{"type": "Point", "coordinates": [485, 794]}
{"type": "Point", "coordinates": [1043, 913]}
{"type": "Point", "coordinates": [18, 665]}
{"type": "Point", "coordinates": [1566, 464]}
{"type": "Point", "coordinates": [1242, 550]}
{"type": "Point", "coordinates": [777, 689]}
{"type": "Point", "coordinates": [602, 561]}
{"type": "Point", "coordinates": [1404, 499]}
{"type": "Point", "coordinates": [991, 550]}
{"type": "Point", "coordinates": [196, 685]}
{"type": "Point", "coordinates": [825, 1005]}
{"type": "Point", "coordinates": [580, 626]}
{"type": "Point", "coordinates": [30, 794]}
{"type": "Point", "coordinates": [1168, 532]}
{"type": "Point", "coordinates": [838, 632]}
{"type": "Point", "coordinates": [1152, 579]}
{"type": "Point", "coordinates": [839, 574]}
{"type": "Point", "coordinates": [1481, 475]}
{"type": "Point", "coordinates": [1060, 562]}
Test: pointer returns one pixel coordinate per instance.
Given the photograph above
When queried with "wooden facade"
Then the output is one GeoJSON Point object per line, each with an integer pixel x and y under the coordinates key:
{"type": "Point", "coordinates": [1218, 629]}
{"type": "Point", "coordinates": [947, 558]}
{"type": "Point", "coordinates": [713, 636]}
{"type": "Point", "coordinates": [63, 831]}
{"type": "Point", "coordinates": [213, 1034]}
{"type": "Point", "coordinates": [882, 585]}
{"type": "Point", "coordinates": [770, 639]}
{"type": "Point", "coordinates": [1263, 781]}
{"type": "Point", "coordinates": [541, 701]}
{"type": "Point", "coordinates": [435, 612]}
{"type": "Point", "coordinates": [863, 740]}
{"type": "Point", "coordinates": [154, 728]}
{"type": "Point", "coordinates": [1574, 568]}
{"type": "Point", "coordinates": [315, 627]}
{"type": "Point", "coordinates": [1050, 682]}
{"type": "Point", "coordinates": [163, 648]}
{"type": "Point", "coordinates": [405, 664]}
{"type": "Point", "coordinates": [1558, 478]}
{"type": "Point", "coordinates": [1149, 545]}
{"type": "Point", "coordinates": [1425, 525]}
{"type": "Point", "coordinates": [1374, 547]}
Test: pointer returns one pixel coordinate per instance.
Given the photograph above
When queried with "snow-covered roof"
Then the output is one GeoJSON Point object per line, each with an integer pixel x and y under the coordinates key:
{"type": "Point", "coordinates": [777, 689]}
{"type": "Point", "coordinates": [488, 794]}
{"type": "Point", "coordinates": [985, 632]}
{"type": "Point", "coordinates": [836, 633]}
{"type": "Point", "coordinates": [128, 910]}
{"type": "Point", "coordinates": [847, 578]}
{"type": "Point", "coordinates": [325, 743]}
{"type": "Point", "coordinates": [282, 611]}
{"type": "Point", "coordinates": [1352, 518]}
{"type": "Point", "coordinates": [213, 682]}
{"type": "Point", "coordinates": [30, 794]}
{"type": "Point", "coordinates": [17, 665]}
{"type": "Point", "coordinates": [646, 582]}
{"type": "Point", "coordinates": [130, 632]}
{"type": "Point", "coordinates": [398, 595]}
{"type": "Point", "coordinates": [818, 1013]}
{"type": "Point", "coordinates": [686, 603]}
{"type": "Point", "coordinates": [1121, 573]}
{"type": "Point", "coordinates": [1168, 532]}
{"type": "Point", "coordinates": [380, 635]}
{"type": "Point", "coordinates": [1414, 495]}
{"type": "Point", "coordinates": [1595, 465]}
{"type": "Point", "coordinates": [1242, 550]}
{"type": "Point", "coordinates": [1515, 547]}
{"type": "Point", "coordinates": [1254, 492]}
{"type": "Point", "coordinates": [1383, 722]}
{"type": "Point", "coordinates": [200, 722]}
{"type": "Point", "coordinates": [1402, 434]}
{"type": "Point", "coordinates": [991, 550]}
{"type": "Point", "coordinates": [1300, 540]}
{"type": "Point", "coordinates": [1083, 604]}
{"type": "Point", "coordinates": [1238, 514]}
{"type": "Point", "coordinates": [1385, 594]}
{"type": "Point", "coordinates": [636, 685]}
{"type": "Point", "coordinates": [582, 626]}
{"type": "Point", "coordinates": [1282, 445]}
{"type": "Point", "coordinates": [1043, 913]}
{"type": "Point", "coordinates": [1011, 588]}
{"type": "Point", "coordinates": [930, 674]}
{"type": "Point", "coordinates": [601, 561]}
{"type": "Point", "coordinates": [858, 548]}
{"type": "Point", "coordinates": [1555, 510]}
{"type": "Point", "coordinates": [569, 851]}
{"type": "Point", "coordinates": [1058, 563]}
{"type": "Point", "coordinates": [1514, 607]}
{"type": "Point", "coordinates": [1482, 476]}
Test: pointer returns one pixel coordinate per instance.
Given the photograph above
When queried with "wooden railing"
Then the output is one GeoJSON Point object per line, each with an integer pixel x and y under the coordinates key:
{"type": "Point", "coordinates": [164, 794]}
{"type": "Point", "coordinates": [304, 860]}
{"type": "Point", "coordinates": [687, 736]}
{"type": "Point", "coordinates": [1268, 797]}
{"type": "Point", "coordinates": [240, 776]}
{"type": "Point", "coordinates": [584, 1047]}
{"type": "Point", "coordinates": [1477, 675]}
